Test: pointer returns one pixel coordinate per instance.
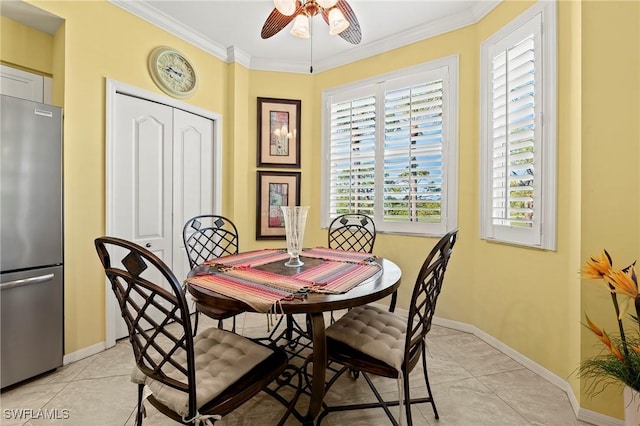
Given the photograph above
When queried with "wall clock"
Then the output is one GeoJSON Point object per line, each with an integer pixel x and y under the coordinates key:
{"type": "Point", "coordinates": [172, 72]}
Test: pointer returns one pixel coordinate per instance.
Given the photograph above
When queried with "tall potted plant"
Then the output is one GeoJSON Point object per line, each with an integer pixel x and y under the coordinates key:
{"type": "Point", "coordinates": [619, 362]}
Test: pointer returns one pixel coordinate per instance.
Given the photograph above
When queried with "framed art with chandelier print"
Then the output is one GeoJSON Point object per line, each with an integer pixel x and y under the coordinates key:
{"type": "Point", "coordinates": [279, 132]}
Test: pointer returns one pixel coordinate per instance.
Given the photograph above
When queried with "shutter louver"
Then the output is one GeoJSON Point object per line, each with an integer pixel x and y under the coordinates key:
{"type": "Point", "coordinates": [413, 173]}
{"type": "Point", "coordinates": [390, 149]}
{"type": "Point", "coordinates": [513, 117]}
{"type": "Point", "coordinates": [352, 156]}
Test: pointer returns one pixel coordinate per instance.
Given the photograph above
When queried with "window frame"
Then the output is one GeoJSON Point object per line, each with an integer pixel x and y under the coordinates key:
{"type": "Point", "coordinates": [543, 234]}
{"type": "Point", "coordinates": [447, 68]}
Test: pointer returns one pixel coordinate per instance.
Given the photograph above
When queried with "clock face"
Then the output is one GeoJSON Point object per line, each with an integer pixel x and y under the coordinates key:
{"type": "Point", "coordinates": [172, 72]}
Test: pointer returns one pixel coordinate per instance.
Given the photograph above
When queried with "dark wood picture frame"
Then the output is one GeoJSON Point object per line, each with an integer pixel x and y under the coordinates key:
{"type": "Point", "coordinates": [274, 189]}
{"type": "Point", "coordinates": [279, 132]}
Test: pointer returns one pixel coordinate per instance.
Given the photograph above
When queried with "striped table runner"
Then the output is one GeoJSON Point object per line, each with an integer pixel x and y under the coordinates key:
{"type": "Point", "coordinates": [337, 255]}
{"type": "Point", "coordinates": [251, 258]}
{"type": "Point", "coordinates": [260, 297]}
{"type": "Point", "coordinates": [236, 277]}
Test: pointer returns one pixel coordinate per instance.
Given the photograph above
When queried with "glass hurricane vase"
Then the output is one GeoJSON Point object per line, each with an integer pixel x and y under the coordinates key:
{"type": "Point", "coordinates": [295, 218]}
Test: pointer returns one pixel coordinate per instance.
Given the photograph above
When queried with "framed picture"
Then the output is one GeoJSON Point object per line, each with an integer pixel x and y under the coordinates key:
{"type": "Point", "coordinates": [278, 132]}
{"type": "Point", "coordinates": [275, 189]}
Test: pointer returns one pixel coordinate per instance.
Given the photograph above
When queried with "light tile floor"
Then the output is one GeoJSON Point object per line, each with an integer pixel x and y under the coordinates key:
{"type": "Point", "coordinates": [473, 383]}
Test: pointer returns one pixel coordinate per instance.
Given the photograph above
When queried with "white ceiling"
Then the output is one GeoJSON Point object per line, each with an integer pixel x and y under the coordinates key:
{"type": "Point", "coordinates": [230, 30]}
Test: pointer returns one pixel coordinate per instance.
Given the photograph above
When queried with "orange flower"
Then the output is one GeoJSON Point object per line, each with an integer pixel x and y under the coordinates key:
{"type": "Point", "coordinates": [593, 327]}
{"type": "Point", "coordinates": [625, 283]}
{"type": "Point", "coordinates": [597, 267]}
{"type": "Point", "coordinates": [607, 342]}
{"type": "Point", "coordinates": [604, 338]}
{"type": "Point", "coordinates": [617, 353]}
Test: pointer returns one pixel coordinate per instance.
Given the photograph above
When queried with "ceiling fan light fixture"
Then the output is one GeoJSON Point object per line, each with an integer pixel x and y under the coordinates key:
{"type": "Point", "coordinates": [286, 7]}
{"type": "Point", "coordinates": [337, 21]}
{"type": "Point", "coordinates": [337, 14]}
{"type": "Point", "coordinates": [301, 26]}
{"type": "Point", "coordinates": [327, 4]}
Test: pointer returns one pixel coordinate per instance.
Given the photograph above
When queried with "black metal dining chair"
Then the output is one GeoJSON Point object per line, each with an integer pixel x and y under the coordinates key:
{"type": "Point", "coordinates": [370, 340]}
{"type": "Point", "coordinates": [352, 231]}
{"type": "Point", "coordinates": [192, 380]}
{"type": "Point", "coordinates": [207, 237]}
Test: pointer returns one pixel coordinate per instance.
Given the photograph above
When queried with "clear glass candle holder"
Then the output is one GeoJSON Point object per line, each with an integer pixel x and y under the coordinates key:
{"type": "Point", "coordinates": [295, 219]}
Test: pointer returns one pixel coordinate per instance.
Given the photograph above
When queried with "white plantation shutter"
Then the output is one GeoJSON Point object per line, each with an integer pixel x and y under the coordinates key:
{"type": "Point", "coordinates": [514, 127]}
{"type": "Point", "coordinates": [352, 152]}
{"type": "Point", "coordinates": [390, 153]}
{"type": "Point", "coordinates": [518, 153]}
{"type": "Point", "coordinates": [413, 153]}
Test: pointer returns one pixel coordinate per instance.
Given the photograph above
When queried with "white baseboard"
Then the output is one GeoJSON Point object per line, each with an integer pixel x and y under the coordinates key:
{"type": "Point", "coordinates": [83, 353]}
{"type": "Point", "coordinates": [581, 414]}
{"type": "Point", "coordinates": [594, 418]}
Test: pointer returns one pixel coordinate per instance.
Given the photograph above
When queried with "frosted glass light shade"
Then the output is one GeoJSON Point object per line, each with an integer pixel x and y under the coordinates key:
{"type": "Point", "coordinates": [326, 4]}
{"type": "Point", "coordinates": [301, 26]}
{"type": "Point", "coordinates": [337, 21]}
{"type": "Point", "coordinates": [286, 7]}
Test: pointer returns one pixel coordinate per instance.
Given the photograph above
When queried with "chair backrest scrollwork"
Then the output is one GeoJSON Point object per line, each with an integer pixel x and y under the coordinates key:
{"type": "Point", "coordinates": [154, 308]}
{"type": "Point", "coordinates": [208, 237]}
{"type": "Point", "coordinates": [352, 231]}
{"type": "Point", "coordinates": [425, 294]}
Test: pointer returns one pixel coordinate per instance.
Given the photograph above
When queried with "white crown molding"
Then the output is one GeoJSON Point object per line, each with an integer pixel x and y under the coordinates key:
{"type": "Point", "coordinates": [484, 7]}
{"type": "Point", "coordinates": [236, 55]}
{"type": "Point", "coordinates": [410, 36]}
{"type": "Point", "coordinates": [232, 54]}
{"type": "Point", "coordinates": [167, 23]}
{"type": "Point", "coordinates": [264, 64]}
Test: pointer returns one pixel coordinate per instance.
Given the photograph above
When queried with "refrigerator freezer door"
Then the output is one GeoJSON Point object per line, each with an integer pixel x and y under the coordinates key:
{"type": "Point", "coordinates": [30, 184]}
{"type": "Point", "coordinates": [31, 323]}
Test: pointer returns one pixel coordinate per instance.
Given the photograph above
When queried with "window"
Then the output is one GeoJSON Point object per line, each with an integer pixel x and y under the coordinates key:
{"type": "Point", "coordinates": [518, 131]}
{"type": "Point", "coordinates": [390, 149]}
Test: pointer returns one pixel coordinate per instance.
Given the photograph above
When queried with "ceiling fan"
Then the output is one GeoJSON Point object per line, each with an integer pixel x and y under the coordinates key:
{"type": "Point", "coordinates": [336, 13]}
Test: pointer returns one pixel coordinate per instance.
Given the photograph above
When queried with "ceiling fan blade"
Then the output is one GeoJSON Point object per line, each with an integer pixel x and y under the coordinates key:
{"type": "Point", "coordinates": [277, 21]}
{"type": "Point", "coordinates": [353, 33]}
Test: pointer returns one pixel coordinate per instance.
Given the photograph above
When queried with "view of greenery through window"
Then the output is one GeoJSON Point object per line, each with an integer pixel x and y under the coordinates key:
{"type": "Point", "coordinates": [513, 134]}
{"type": "Point", "coordinates": [411, 135]}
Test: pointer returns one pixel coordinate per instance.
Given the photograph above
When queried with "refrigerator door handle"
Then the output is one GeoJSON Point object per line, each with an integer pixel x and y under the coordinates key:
{"type": "Point", "coordinates": [26, 281]}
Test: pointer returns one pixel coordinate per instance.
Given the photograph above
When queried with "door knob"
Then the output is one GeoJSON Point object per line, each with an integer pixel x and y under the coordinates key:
{"type": "Point", "coordinates": [147, 245]}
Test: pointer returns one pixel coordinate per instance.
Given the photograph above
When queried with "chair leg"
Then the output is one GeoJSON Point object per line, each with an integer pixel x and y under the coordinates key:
{"type": "Point", "coordinates": [140, 406]}
{"type": "Point", "coordinates": [195, 323]}
{"type": "Point", "coordinates": [394, 299]}
{"type": "Point", "coordinates": [407, 398]}
{"type": "Point", "coordinates": [289, 330]}
{"type": "Point", "coordinates": [233, 324]}
{"type": "Point", "coordinates": [426, 380]}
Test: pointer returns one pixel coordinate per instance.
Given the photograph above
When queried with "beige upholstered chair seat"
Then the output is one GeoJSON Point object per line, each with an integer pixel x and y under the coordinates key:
{"type": "Point", "coordinates": [221, 358]}
{"type": "Point", "coordinates": [374, 332]}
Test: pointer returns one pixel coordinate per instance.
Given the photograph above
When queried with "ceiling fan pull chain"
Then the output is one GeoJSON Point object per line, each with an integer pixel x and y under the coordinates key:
{"type": "Point", "coordinates": [311, 41]}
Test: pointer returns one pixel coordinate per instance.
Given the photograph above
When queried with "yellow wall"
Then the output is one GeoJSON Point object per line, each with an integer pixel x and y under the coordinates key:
{"type": "Point", "coordinates": [521, 295]}
{"type": "Point", "coordinates": [569, 173]}
{"type": "Point", "coordinates": [286, 86]}
{"type": "Point", "coordinates": [532, 300]}
{"type": "Point", "coordinates": [96, 48]}
{"type": "Point", "coordinates": [609, 133]}
{"type": "Point", "coordinates": [25, 48]}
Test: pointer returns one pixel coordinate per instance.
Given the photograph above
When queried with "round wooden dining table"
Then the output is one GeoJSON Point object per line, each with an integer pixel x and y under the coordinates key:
{"type": "Point", "coordinates": [383, 284]}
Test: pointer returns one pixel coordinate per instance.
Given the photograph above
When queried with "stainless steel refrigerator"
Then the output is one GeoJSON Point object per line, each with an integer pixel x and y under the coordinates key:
{"type": "Point", "coordinates": [31, 243]}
